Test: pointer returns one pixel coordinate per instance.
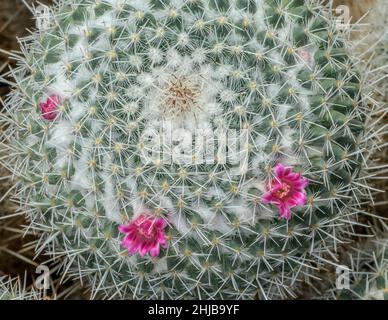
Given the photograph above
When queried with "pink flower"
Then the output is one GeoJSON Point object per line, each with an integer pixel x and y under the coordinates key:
{"type": "Point", "coordinates": [306, 56]}
{"type": "Point", "coordinates": [49, 109]}
{"type": "Point", "coordinates": [286, 191]}
{"type": "Point", "coordinates": [144, 234]}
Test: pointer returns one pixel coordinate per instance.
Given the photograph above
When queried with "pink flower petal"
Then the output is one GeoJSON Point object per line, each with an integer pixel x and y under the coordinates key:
{"type": "Point", "coordinates": [144, 234]}
{"type": "Point", "coordinates": [267, 198]}
{"type": "Point", "coordinates": [124, 228]}
{"type": "Point", "coordinates": [155, 251]}
{"type": "Point", "coordinates": [49, 109]}
{"type": "Point", "coordinates": [285, 212]}
{"type": "Point", "coordinates": [279, 170]}
{"type": "Point", "coordinates": [286, 190]}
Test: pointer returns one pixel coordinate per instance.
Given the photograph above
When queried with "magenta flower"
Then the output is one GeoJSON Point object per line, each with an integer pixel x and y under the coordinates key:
{"type": "Point", "coordinates": [286, 191]}
{"type": "Point", "coordinates": [49, 109]}
{"type": "Point", "coordinates": [144, 234]}
{"type": "Point", "coordinates": [305, 55]}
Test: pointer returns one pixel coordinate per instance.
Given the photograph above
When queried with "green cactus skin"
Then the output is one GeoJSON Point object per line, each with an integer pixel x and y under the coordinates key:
{"type": "Point", "coordinates": [241, 61]}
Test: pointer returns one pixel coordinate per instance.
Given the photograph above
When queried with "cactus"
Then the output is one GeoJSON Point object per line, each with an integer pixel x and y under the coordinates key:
{"type": "Point", "coordinates": [368, 273]}
{"type": "Point", "coordinates": [14, 289]}
{"type": "Point", "coordinates": [105, 101]}
{"type": "Point", "coordinates": [369, 281]}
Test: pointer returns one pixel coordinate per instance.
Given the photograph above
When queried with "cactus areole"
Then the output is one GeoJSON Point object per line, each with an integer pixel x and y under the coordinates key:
{"type": "Point", "coordinates": [182, 149]}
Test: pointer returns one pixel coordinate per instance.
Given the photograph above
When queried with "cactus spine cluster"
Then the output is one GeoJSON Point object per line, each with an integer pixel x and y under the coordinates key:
{"type": "Point", "coordinates": [366, 273]}
{"type": "Point", "coordinates": [369, 280]}
{"type": "Point", "coordinates": [274, 76]}
{"type": "Point", "coordinates": [15, 289]}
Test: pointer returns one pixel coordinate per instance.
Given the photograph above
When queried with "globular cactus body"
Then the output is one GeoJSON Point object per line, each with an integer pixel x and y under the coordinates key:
{"type": "Point", "coordinates": [273, 78]}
